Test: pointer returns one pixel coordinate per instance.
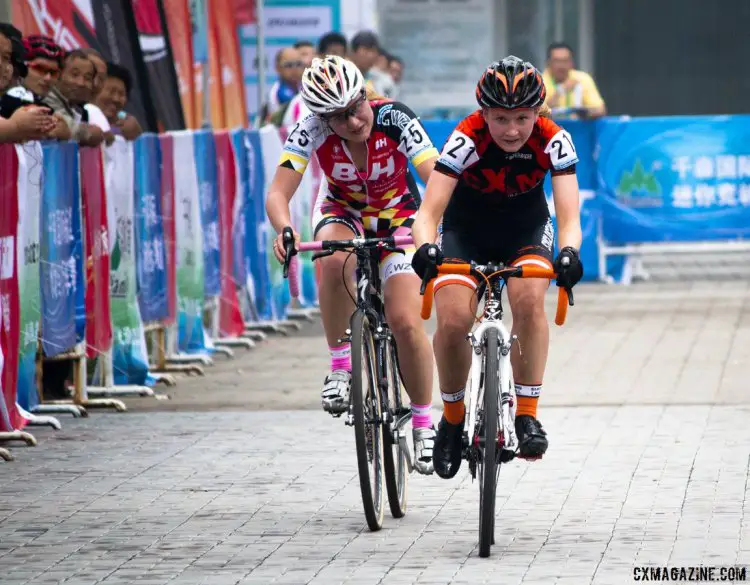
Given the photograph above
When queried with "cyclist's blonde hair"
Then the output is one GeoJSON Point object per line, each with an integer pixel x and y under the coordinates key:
{"type": "Point", "coordinates": [372, 95]}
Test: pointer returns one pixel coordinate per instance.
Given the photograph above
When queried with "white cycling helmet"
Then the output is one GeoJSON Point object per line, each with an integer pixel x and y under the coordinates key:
{"type": "Point", "coordinates": [331, 83]}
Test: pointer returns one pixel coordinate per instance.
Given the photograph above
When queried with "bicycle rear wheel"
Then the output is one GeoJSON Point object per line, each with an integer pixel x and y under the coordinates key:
{"type": "Point", "coordinates": [488, 466]}
{"type": "Point", "coordinates": [395, 465]}
{"type": "Point", "coordinates": [368, 429]}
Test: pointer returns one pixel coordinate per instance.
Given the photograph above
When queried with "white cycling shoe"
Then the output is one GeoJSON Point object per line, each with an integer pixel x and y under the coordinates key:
{"type": "Point", "coordinates": [424, 445]}
{"type": "Point", "coordinates": [335, 395]}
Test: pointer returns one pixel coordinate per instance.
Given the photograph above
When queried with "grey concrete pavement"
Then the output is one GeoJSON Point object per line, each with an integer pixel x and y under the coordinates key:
{"type": "Point", "coordinates": [645, 405]}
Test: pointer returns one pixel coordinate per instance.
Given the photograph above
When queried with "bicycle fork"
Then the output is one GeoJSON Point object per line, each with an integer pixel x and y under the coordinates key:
{"type": "Point", "coordinates": [507, 440]}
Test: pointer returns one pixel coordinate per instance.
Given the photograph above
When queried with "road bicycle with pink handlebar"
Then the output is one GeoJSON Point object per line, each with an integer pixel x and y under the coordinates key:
{"type": "Point", "coordinates": [376, 410]}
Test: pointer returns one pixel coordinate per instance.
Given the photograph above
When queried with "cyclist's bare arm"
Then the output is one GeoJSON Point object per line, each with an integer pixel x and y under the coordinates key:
{"type": "Point", "coordinates": [424, 170]}
{"type": "Point", "coordinates": [280, 193]}
{"type": "Point", "coordinates": [436, 197]}
{"type": "Point", "coordinates": [567, 209]}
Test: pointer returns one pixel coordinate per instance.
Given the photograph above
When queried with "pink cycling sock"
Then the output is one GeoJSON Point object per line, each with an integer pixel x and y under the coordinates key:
{"type": "Point", "coordinates": [341, 357]}
{"type": "Point", "coordinates": [421, 417]}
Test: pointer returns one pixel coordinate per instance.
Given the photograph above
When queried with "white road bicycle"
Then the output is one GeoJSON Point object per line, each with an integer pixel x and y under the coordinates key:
{"type": "Point", "coordinates": [489, 431]}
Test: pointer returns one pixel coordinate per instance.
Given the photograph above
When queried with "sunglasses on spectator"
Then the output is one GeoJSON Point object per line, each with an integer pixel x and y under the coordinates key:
{"type": "Point", "coordinates": [342, 117]}
{"type": "Point", "coordinates": [42, 70]}
{"type": "Point", "coordinates": [291, 64]}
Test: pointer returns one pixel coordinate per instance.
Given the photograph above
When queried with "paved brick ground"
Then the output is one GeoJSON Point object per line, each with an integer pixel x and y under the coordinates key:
{"type": "Point", "coordinates": [645, 404]}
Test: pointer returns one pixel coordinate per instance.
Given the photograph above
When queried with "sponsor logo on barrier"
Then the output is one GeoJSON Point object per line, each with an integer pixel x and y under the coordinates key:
{"type": "Point", "coordinates": [640, 188]}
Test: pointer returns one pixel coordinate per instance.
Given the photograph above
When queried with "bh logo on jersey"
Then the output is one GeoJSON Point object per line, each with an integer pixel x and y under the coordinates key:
{"type": "Point", "coordinates": [345, 171]}
{"type": "Point", "coordinates": [381, 143]}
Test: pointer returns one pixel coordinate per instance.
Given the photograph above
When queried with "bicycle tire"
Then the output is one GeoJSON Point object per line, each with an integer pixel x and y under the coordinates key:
{"type": "Point", "coordinates": [394, 461]}
{"type": "Point", "coordinates": [488, 482]}
{"type": "Point", "coordinates": [363, 353]}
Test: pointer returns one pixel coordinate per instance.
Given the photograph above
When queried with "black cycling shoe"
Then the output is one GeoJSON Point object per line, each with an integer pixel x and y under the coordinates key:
{"type": "Point", "coordinates": [446, 456]}
{"type": "Point", "coordinates": [532, 438]}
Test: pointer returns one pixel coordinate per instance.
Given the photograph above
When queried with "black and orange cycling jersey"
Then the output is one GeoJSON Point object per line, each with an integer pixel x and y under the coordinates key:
{"type": "Point", "coordinates": [498, 211]}
{"type": "Point", "coordinates": [497, 188]}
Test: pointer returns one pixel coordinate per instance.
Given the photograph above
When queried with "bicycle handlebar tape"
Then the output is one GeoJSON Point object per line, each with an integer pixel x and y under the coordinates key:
{"type": "Point", "coordinates": [294, 277]}
{"type": "Point", "coordinates": [464, 269]}
{"type": "Point", "coordinates": [427, 300]}
{"type": "Point", "coordinates": [530, 271]}
{"type": "Point", "coordinates": [562, 306]}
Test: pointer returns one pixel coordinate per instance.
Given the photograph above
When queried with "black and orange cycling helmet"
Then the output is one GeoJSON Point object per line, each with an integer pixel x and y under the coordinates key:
{"type": "Point", "coordinates": [511, 83]}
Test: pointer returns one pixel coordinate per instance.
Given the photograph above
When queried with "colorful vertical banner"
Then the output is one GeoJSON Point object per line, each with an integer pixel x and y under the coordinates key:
{"type": "Point", "coordinates": [239, 211]}
{"type": "Point", "coordinates": [230, 317]}
{"type": "Point", "coordinates": [179, 27]}
{"type": "Point", "coordinates": [201, 71]}
{"type": "Point", "coordinates": [160, 66]}
{"type": "Point", "coordinates": [63, 300]}
{"type": "Point", "coordinates": [229, 72]}
{"type": "Point", "coordinates": [10, 418]}
{"type": "Point", "coordinates": [93, 195]}
{"type": "Point", "coordinates": [151, 257]}
{"type": "Point", "coordinates": [271, 148]}
{"type": "Point", "coordinates": [106, 25]}
{"type": "Point", "coordinates": [286, 22]}
{"type": "Point", "coordinates": [255, 232]}
{"type": "Point", "coordinates": [205, 166]}
{"type": "Point", "coordinates": [168, 221]}
{"type": "Point", "coordinates": [217, 116]}
{"type": "Point", "coordinates": [189, 246]}
{"type": "Point", "coordinates": [29, 209]}
{"type": "Point", "coordinates": [129, 356]}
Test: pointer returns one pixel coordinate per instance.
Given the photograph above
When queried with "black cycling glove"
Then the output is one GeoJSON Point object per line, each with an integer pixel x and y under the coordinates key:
{"type": "Point", "coordinates": [571, 271]}
{"type": "Point", "coordinates": [426, 260]}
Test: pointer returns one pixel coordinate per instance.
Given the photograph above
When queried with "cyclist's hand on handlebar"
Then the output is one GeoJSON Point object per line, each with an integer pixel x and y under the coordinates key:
{"type": "Point", "coordinates": [282, 241]}
{"type": "Point", "coordinates": [425, 262]}
{"type": "Point", "coordinates": [568, 267]}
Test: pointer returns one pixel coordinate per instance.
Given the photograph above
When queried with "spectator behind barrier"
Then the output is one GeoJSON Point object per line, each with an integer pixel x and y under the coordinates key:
{"type": "Point", "coordinates": [73, 89]}
{"type": "Point", "coordinates": [571, 93]}
{"type": "Point", "coordinates": [396, 71]}
{"type": "Point", "coordinates": [44, 60]}
{"type": "Point", "coordinates": [112, 99]}
{"type": "Point", "coordinates": [306, 52]}
{"type": "Point", "coordinates": [94, 113]}
{"type": "Point", "coordinates": [365, 52]}
{"type": "Point", "coordinates": [20, 118]}
{"type": "Point", "coordinates": [289, 67]}
{"type": "Point", "coordinates": [332, 43]}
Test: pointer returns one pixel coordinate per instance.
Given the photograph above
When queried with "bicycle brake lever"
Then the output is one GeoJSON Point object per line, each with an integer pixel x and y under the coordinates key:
{"type": "Point", "coordinates": [425, 281]}
{"type": "Point", "coordinates": [570, 296]}
{"type": "Point", "coordinates": [322, 254]}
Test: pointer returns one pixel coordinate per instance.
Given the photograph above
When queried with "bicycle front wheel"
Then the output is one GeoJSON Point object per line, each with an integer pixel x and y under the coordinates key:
{"type": "Point", "coordinates": [396, 467]}
{"type": "Point", "coordinates": [488, 466]}
{"type": "Point", "coordinates": [368, 430]}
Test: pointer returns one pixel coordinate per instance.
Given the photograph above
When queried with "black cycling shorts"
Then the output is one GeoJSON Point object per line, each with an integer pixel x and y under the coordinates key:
{"type": "Point", "coordinates": [517, 246]}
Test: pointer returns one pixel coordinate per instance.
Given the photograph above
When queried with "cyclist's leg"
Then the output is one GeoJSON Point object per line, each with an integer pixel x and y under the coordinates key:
{"type": "Point", "coordinates": [402, 310]}
{"type": "Point", "coordinates": [455, 305]}
{"type": "Point", "coordinates": [529, 358]}
{"type": "Point", "coordinates": [332, 222]}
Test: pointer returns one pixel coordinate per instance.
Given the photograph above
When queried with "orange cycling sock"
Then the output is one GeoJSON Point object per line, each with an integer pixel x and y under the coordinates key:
{"type": "Point", "coordinates": [454, 409]}
{"type": "Point", "coordinates": [527, 399]}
